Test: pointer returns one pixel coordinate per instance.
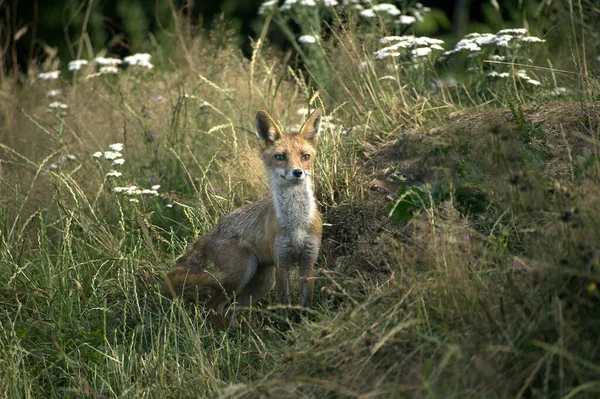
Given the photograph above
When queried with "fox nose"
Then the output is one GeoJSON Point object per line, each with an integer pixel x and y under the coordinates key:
{"type": "Point", "coordinates": [297, 172]}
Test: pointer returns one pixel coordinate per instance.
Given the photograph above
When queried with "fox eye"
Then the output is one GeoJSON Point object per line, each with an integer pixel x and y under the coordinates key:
{"type": "Point", "coordinates": [280, 157]}
{"type": "Point", "coordinates": [305, 157]}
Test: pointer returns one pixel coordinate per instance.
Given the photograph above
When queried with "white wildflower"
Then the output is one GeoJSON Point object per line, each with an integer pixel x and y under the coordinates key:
{"type": "Point", "coordinates": [140, 59]}
{"type": "Point", "coordinates": [112, 155]}
{"type": "Point", "coordinates": [53, 93]}
{"type": "Point", "coordinates": [406, 20]}
{"type": "Point", "coordinates": [76, 65]}
{"type": "Point", "coordinates": [422, 8]}
{"type": "Point", "coordinates": [57, 104]}
{"type": "Point", "coordinates": [497, 58]}
{"type": "Point", "coordinates": [307, 39]}
{"type": "Point", "coordinates": [503, 75]}
{"type": "Point", "coordinates": [308, 3]}
{"type": "Point", "coordinates": [128, 190]}
{"type": "Point", "coordinates": [114, 173]}
{"type": "Point", "coordinates": [156, 187]}
{"type": "Point", "coordinates": [330, 3]}
{"type": "Point", "coordinates": [267, 6]}
{"type": "Point", "coordinates": [522, 74]}
{"type": "Point", "coordinates": [169, 205]}
{"type": "Point", "coordinates": [533, 82]}
{"type": "Point", "coordinates": [532, 39]}
{"type": "Point", "coordinates": [109, 69]}
{"type": "Point", "coordinates": [417, 14]}
{"type": "Point", "coordinates": [49, 75]}
{"type": "Point", "coordinates": [368, 13]}
{"type": "Point", "coordinates": [513, 32]}
{"type": "Point", "coordinates": [302, 111]}
{"type": "Point", "coordinates": [119, 161]}
{"type": "Point", "coordinates": [411, 41]}
{"type": "Point", "coordinates": [503, 40]}
{"type": "Point", "coordinates": [388, 39]}
{"type": "Point", "coordinates": [135, 200]}
{"type": "Point", "coordinates": [421, 51]}
{"type": "Point", "coordinates": [387, 8]}
{"type": "Point", "coordinates": [287, 5]}
{"type": "Point", "coordinates": [116, 147]}
{"type": "Point", "coordinates": [107, 61]}
{"type": "Point", "coordinates": [97, 154]}
{"type": "Point", "coordinates": [421, 46]}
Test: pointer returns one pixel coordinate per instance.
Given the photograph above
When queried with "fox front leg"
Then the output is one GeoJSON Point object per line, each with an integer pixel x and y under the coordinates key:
{"type": "Point", "coordinates": [306, 285]}
{"type": "Point", "coordinates": [306, 282]}
{"type": "Point", "coordinates": [283, 285]}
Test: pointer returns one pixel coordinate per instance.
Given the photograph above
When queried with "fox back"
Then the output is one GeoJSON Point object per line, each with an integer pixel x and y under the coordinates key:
{"type": "Point", "coordinates": [254, 247]}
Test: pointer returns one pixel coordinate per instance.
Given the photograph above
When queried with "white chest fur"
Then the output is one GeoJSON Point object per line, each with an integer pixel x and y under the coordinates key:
{"type": "Point", "coordinates": [295, 206]}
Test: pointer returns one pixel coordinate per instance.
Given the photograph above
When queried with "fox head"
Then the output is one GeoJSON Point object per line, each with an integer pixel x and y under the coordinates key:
{"type": "Point", "coordinates": [288, 157]}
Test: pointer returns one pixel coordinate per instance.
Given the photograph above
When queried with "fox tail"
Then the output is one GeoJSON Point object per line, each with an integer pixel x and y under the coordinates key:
{"type": "Point", "coordinates": [182, 282]}
{"type": "Point", "coordinates": [186, 280]}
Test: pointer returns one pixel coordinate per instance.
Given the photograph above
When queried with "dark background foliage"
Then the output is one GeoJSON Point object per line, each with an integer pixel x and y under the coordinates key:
{"type": "Point", "coordinates": [32, 30]}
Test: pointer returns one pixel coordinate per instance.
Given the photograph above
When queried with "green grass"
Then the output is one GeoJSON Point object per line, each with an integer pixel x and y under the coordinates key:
{"type": "Point", "coordinates": [485, 285]}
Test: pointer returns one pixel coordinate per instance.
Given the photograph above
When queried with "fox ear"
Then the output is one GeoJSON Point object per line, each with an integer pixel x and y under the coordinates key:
{"type": "Point", "coordinates": [266, 129]}
{"type": "Point", "coordinates": [310, 129]}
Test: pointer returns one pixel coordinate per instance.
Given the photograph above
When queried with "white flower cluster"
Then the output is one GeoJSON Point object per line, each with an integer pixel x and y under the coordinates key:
{"type": "Point", "coordinates": [390, 10]}
{"type": "Point", "coordinates": [76, 65]}
{"type": "Point", "coordinates": [49, 75]}
{"type": "Point", "coordinates": [418, 10]}
{"type": "Point", "coordinates": [287, 5]}
{"type": "Point", "coordinates": [521, 74]}
{"type": "Point", "coordinates": [140, 59]}
{"type": "Point", "coordinates": [384, 9]}
{"type": "Point", "coordinates": [418, 46]}
{"type": "Point", "coordinates": [267, 6]}
{"type": "Point", "coordinates": [135, 190]}
{"type": "Point", "coordinates": [108, 69]}
{"type": "Point", "coordinates": [58, 105]}
{"type": "Point", "coordinates": [506, 38]}
{"type": "Point", "coordinates": [307, 39]}
{"type": "Point", "coordinates": [114, 155]}
{"type": "Point", "coordinates": [106, 65]}
{"type": "Point", "coordinates": [406, 20]}
{"type": "Point", "coordinates": [107, 61]}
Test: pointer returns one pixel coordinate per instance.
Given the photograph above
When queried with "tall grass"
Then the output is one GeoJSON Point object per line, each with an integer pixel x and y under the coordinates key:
{"type": "Point", "coordinates": [484, 286]}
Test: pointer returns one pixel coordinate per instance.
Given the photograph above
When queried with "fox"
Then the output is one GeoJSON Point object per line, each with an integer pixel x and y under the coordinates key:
{"type": "Point", "coordinates": [255, 247]}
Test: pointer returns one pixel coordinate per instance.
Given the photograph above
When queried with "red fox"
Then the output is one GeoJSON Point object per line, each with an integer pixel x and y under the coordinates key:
{"type": "Point", "coordinates": [254, 247]}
